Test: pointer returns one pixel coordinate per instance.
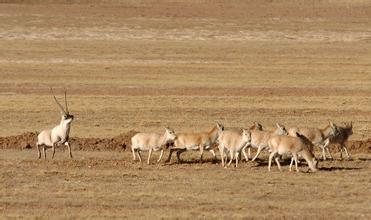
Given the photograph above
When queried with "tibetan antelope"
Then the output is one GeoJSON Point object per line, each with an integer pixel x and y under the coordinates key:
{"type": "Point", "coordinates": [298, 145]}
{"type": "Point", "coordinates": [259, 139]}
{"type": "Point", "coordinates": [151, 142]}
{"type": "Point", "coordinates": [195, 141]}
{"type": "Point", "coordinates": [254, 126]}
{"type": "Point", "coordinates": [341, 137]}
{"type": "Point", "coordinates": [319, 137]}
{"type": "Point", "coordinates": [233, 142]}
{"type": "Point", "coordinates": [59, 134]}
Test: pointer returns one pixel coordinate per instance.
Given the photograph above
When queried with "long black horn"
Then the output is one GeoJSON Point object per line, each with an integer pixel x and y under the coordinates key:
{"type": "Point", "coordinates": [55, 99]}
{"type": "Point", "coordinates": [65, 100]}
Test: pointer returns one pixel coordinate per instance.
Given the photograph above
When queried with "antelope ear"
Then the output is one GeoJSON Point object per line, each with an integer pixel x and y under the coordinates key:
{"type": "Point", "coordinates": [258, 126]}
{"type": "Point", "coordinates": [351, 124]}
{"type": "Point", "coordinates": [252, 127]}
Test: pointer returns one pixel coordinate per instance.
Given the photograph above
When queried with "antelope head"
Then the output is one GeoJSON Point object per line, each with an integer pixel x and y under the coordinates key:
{"type": "Point", "coordinates": [170, 135]}
{"type": "Point", "coordinates": [66, 116]}
{"type": "Point", "coordinates": [219, 126]}
{"type": "Point", "coordinates": [334, 129]}
{"type": "Point", "coordinates": [315, 164]}
{"type": "Point", "coordinates": [349, 128]}
{"type": "Point", "coordinates": [256, 126]}
{"type": "Point", "coordinates": [281, 130]}
{"type": "Point", "coordinates": [246, 136]}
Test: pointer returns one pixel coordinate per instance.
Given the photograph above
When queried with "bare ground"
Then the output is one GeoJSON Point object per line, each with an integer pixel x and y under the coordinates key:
{"type": "Point", "coordinates": [109, 184]}
{"type": "Point", "coordinates": [142, 65]}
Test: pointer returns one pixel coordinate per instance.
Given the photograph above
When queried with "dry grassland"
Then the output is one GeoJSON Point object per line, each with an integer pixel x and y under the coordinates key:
{"type": "Point", "coordinates": [108, 184]}
{"type": "Point", "coordinates": [143, 65]}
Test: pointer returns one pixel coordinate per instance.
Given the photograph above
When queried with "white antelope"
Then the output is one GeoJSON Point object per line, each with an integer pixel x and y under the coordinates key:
{"type": "Point", "coordinates": [233, 142]}
{"type": "Point", "coordinates": [151, 142]}
{"type": "Point", "coordinates": [59, 134]}
{"type": "Point", "coordinates": [298, 145]}
{"type": "Point", "coordinates": [319, 137]}
{"type": "Point", "coordinates": [341, 137]}
{"type": "Point", "coordinates": [259, 139]}
{"type": "Point", "coordinates": [195, 141]}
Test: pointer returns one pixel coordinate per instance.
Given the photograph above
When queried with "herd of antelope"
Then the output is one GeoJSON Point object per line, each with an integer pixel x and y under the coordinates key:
{"type": "Point", "coordinates": [231, 142]}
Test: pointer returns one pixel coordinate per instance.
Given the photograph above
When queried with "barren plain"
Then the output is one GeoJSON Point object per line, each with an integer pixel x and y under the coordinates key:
{"type": "Point", "coordinates": [143, 65]}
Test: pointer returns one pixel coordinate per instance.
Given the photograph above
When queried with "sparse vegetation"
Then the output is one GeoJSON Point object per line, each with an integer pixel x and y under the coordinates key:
{"type": "Point", "coordinates": [144, 65]}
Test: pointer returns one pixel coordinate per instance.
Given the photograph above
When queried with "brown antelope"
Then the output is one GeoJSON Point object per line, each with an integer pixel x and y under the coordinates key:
{"type": "Point", "coordinates": [259, 139]}
{"type": "Point", "coordinates": [255, 126]}
{"type": "Point", "coordinates": [151, 142]}
{"type": "Point", "coordinates": [233, 142]}
{"type": "Point", "coordinates": [59, 134]}
{"type": "Point", "coordinates": [298, 145]}
{"type": "Point", "coordinates": [341, 137]}
{"type": "Point", "coordinates": [319, 137]}
{"type": "Point", "coordinates": [195, 141]}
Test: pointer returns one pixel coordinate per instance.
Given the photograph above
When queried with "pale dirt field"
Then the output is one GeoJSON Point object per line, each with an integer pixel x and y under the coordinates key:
{"type": "Point", "coordinates": [109, 184]}
{"type": "Point", "coordinates": [143, 65]}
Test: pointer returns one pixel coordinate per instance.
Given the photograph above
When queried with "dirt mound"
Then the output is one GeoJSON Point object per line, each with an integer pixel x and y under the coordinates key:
{"type": "Point", "coordinates": [22, 141]}
{"type": "Point", "coordinates": [361, 146]}
{"type": "Point", "coordinates": [120, 142]}
{"type": "Point", "coordinates": [28, 140]}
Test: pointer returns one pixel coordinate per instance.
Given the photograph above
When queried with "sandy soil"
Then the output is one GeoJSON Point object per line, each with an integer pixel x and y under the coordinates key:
{"type": "Point", "coordinates": [141, 65]}
{"type": "Point", "coordinates": [108, 184]}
